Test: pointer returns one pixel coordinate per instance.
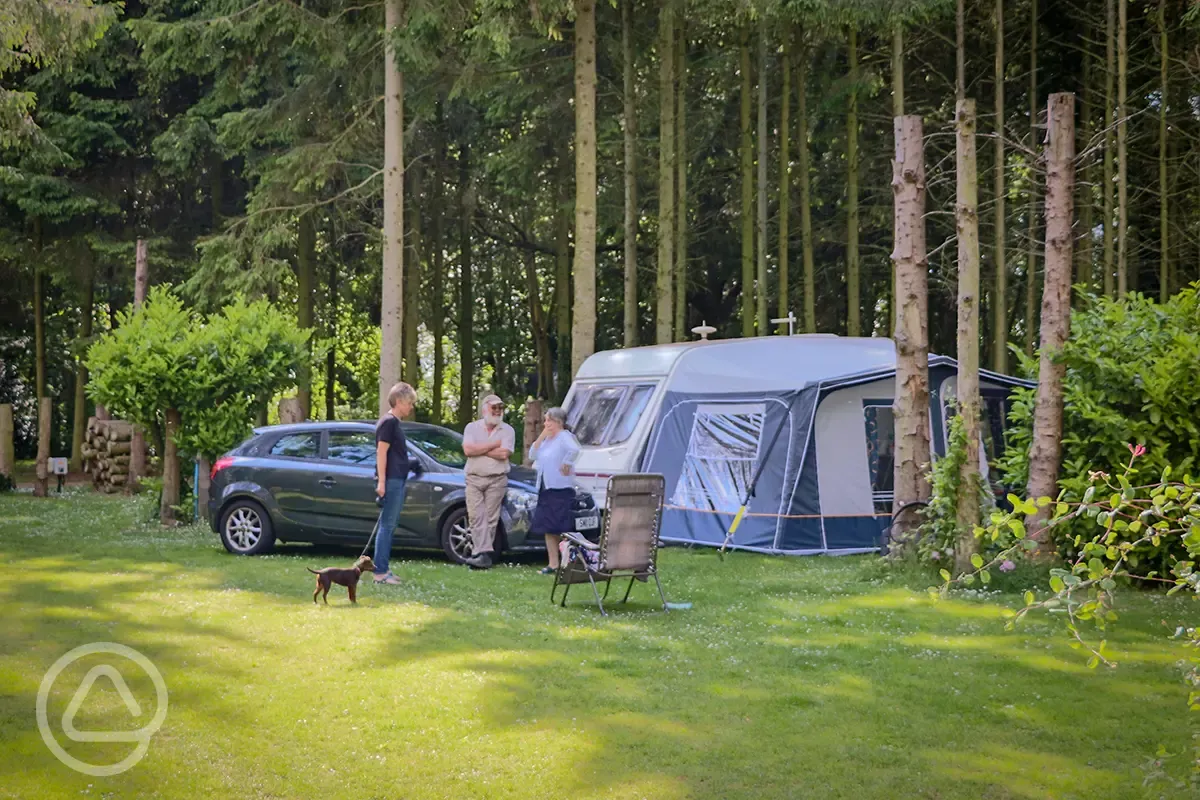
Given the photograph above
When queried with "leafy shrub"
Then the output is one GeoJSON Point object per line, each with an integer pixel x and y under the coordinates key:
{"type": "Point", "coordinates": [939, 530]}
{"type": "Point", "coordinates": [1131, 377]}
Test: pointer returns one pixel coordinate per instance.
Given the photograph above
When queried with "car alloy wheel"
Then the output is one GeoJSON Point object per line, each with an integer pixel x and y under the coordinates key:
{"type": "Point", "coordinates": [246, 529]}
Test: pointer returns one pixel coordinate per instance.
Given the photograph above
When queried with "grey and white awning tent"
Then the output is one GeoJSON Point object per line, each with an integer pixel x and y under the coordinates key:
{"type": "Point", "coordinates": [814, 413]}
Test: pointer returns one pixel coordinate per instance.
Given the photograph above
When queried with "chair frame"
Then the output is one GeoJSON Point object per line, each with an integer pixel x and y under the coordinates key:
{"type": "Point", "coordinates": [570, 570]}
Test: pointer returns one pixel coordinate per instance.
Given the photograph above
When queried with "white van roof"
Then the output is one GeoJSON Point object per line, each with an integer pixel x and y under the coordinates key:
{"type": "Point", "coordinates": [761, 363]}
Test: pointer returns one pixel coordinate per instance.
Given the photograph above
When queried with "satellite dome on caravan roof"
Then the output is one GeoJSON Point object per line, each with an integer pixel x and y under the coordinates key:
{"type": "Point", "coordinates": [813, 410]}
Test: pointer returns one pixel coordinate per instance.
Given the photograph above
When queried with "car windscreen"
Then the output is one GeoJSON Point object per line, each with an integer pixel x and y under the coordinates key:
{"type": "Point", "coordinates": [607, 414]}
{"type": "Point", "coordinates": [443, 446]}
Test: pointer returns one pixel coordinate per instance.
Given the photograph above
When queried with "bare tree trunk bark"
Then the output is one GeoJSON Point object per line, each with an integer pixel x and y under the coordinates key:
{"type": "Point", "coordinates": [967, 223]}
{"type": "Point", "coordinates": [533, 428]}
{"type": "Point", "coordinates": [331, 356]}
{"type": "Point", "coordinates": [170, 471]}
{"type": "Point", "coordinates": [999, 197]}
{"type": "Point", "coordinates": [412, 282]}
{"type": "Point", "coordinates": [681, 170]}
{"type": "Point", "coordinates": [583, 333]}
{"type": "Point", "coordinates": [805, 193]}
{"type": "Point", "coordinates": [912, 323]}
{"type": "Point", "coordinates": [631, 205]}
{"type": "Point", "coordinates": [897, 111]}
{"type": "Point", "coordinates": [1032, 256]}
{"type": "Point", "coordinates": [39, 314]}
{"type": "Point", "coordinates": [664, 317]}
{"type": "Point", "coordinates": [1164, 217]}
{"type": "Point", "coordinates": [761, 234]}
{"type": "Point", "coordinates": [466, 298]}
{"type": "Point", "coordinates": [747, 213]}
{"type": "Point", "coordinates": [137, 452]}
{"type": "Point", "coordinates": [1084, 271]}
{"type": "Point", "coordinates": [8, 461]}
{"type": "Point", "coordinates": [438, 279]}
{"type": "Point", "coordinates": [306, 267]}
{"type": "Point", "coordinates": [41, 486]}
{"type": "Point", "coordinates": [1109, 146]}
{"type": "Point", "coordinates": [80, 415]}
{"type": "Point", "coordinates": [785, 172]}
{"type": "Point", "coordinates": [960, 52]}
{"type": "Point", "coordinates": [391, 312]}
{"type": "Point", "coordinates": [1045, 453]}
{"type": "Point", "coordinates": [1122, 152]}
{"type": "Point", "coordinates": [853, 311]}
{"type": "Point", "coordinates": [537, 319]}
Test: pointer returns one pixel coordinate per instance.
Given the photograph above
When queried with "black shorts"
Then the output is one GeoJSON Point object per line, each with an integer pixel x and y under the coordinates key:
{"type": "Point", "coordinates": [554, 512]}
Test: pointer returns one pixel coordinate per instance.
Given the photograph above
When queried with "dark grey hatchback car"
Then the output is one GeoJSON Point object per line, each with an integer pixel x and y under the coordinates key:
{"type": "Point", "coordinates": [315, 482]}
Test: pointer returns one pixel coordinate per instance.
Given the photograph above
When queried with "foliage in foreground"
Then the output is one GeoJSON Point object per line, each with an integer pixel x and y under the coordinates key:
{"type": "Point", "coordinates": [1133, 517]}
{"type": "Point", "coordinates": [215, 370]}
{"type": "Point", "coordinates": [1131, 377]}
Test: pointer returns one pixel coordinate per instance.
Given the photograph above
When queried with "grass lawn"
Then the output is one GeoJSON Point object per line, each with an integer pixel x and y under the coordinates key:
{"type": "Point", "coordinates": [789, 677]}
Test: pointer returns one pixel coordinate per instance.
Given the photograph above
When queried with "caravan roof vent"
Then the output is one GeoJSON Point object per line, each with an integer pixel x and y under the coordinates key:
{"type": "Point", "coordinates": [704, 330]}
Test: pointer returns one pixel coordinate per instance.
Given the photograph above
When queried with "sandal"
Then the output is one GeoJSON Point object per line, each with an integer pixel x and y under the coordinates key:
{"type": "Point", "coordinates": [547, 571]}
{"type": "Point", "coordinates": [389, 579]}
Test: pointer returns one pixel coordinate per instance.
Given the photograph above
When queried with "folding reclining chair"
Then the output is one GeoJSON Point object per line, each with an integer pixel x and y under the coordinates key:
{"type": "Point", "coordinates": [628, 546]}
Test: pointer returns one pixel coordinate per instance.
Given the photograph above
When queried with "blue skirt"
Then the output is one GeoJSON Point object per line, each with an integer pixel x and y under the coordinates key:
{"type": "Point", "coordinates": [554, 512]}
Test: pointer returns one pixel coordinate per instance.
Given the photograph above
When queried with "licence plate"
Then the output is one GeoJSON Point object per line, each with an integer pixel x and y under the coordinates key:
{"type": "Point", "coordinates": [587, 523]}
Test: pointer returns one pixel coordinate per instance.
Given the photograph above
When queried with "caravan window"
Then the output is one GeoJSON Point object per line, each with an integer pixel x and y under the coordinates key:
{"type": "Point", "coordinates": [881, 452]}
{"type": "Point", "coordinates": [721, 456]}
{"type": "Point", "coordinates": [607, 415]}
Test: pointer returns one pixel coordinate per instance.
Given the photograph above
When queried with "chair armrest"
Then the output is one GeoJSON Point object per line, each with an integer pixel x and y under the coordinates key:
{"type": "Point", "coordinates": [575, 538]}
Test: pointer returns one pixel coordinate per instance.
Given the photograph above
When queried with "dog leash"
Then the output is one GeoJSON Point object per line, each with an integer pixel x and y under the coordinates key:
{"type": "Point", "coordinates": [373, 530]}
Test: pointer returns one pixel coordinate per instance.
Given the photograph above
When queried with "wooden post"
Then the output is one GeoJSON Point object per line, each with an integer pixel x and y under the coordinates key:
{"type": "Point", "coordinates": [137, 454]}
{"type": "Point", "coordinates": [1045, 453]}
{"type": "Point", "coordinates": [8, 463]}
{"type": "Point", "coordinates": [291, 410]}
{"type": "Point", "coordinates": [533, 427]}
{"type": "Point", "coordinates": [967, 221]}
{"type": "Point", "coordinates": [170, 471]}
{"type": "Point", "coordinates": [41, 486]}
{"type": "Point", "coordinates": [202, 487]}
{"type": "Point", "coordinates": [911, 408]}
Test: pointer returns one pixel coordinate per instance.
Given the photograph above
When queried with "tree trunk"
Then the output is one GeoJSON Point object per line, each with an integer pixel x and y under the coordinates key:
{"type": "Point", "coordinates": [665, 309]}
{"type": "Point", "coordinates": [583, 332]}
{"type": "Point", "coordinates": [331, 356]}
{"type": "Point", "coordinates": [630, 173]}
{"type": "Point", "coordinates": [306, 268]}
{"type": "Point", "coordinates": [562, 289]}
{"type": "Point", "coordinates": [912, 323]}
{"type": "Point", "coordinates": [79, 420]}
{"type": "Point", "coordinates": [537, 318]}
{"type": "Point", "coordinates": [1164, 217]}
{"type": "Point", "coordinates": [1122, 153]}
{"type": "Point", "coordinates": [8, 461]}
{"type": "Point", "coordinates": [747, 213]}
{"type": "Point", "coordinates": [761, 233]}
{"type": "Point", "coordinates": [897, 111]}
{"type": "Point", "coordinates": [681, 169]}
{"type": "Point", "coordinates": [1032, 257]}
{"type": "Point", "coordinates": [466, 320]}
{"type": "Point", "coordinates": [967, 224]}
{"type": "Point", "coordinates": [805, 198]}
{"type": "Point", "coordinates": [960, 53]}
{"type": "Point", "coordinates": [1084, 258]}
{"type": "Point", "coordinates": [412, 283]}
{"type": "Point", "coordinates": [999, 196]}
{"type": "Point", "coordinates": [533, 428]}
{"type": "Point", "coordinates": [1044, 454]}
{"type": "Point", "coordinates": [41, 486]}
{"type": "Point", "coordinates": [391, 311]}
{"type": "Point", "coordinates": [785, 171]}
{"type": "Point", "coordinates": [291, 411]}
{"type": "Point", "coordinates": [853, 327]}
{"type": "Point", "coordinates": [1109, 146]}
{"type": "Point", "coordinates": [170, 471]}
{"type": "Point", "coordinates": [437, 280]}
{"type": "Point", "coordinates": [141, 284]}
{"type": "Point", "coordinates": [203, 485]}
{"type": "Point", "coordinates": [39, 314]}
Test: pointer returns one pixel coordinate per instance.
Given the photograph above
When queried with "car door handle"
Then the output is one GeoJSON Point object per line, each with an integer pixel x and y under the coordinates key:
{"type": "Point", "coordinates": [328, 483]}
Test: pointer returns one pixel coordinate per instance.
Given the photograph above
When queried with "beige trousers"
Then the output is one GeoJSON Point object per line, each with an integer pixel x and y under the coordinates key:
{"type": "Point", "coordinates": [485, 496]}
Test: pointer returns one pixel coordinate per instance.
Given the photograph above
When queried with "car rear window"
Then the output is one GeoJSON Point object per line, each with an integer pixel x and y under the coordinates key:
{"type": "Point", "coordinates": [297, 445]}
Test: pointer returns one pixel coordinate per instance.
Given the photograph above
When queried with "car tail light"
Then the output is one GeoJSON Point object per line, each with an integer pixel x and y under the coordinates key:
{"type": "Point", "coordinates": [220, 464]}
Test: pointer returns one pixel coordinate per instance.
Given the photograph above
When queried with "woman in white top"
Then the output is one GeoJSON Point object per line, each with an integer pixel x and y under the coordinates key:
{"type": "Point", "coordinates": [554, 455]}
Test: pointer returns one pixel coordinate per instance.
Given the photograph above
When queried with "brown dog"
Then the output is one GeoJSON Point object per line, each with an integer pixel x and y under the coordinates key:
{"type": "Point", "coordinates": [342, 577]}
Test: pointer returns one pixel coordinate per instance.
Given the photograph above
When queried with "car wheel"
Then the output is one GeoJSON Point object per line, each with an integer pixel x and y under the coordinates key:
{"type": "Point", "coordinates": [456, 536]}
{"type": "Point", "coordinates": [246, 529]}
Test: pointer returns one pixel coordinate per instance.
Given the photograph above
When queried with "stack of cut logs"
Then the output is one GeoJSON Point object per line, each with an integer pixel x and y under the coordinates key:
{"type": "Point", "coordinates": [106, 449]}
